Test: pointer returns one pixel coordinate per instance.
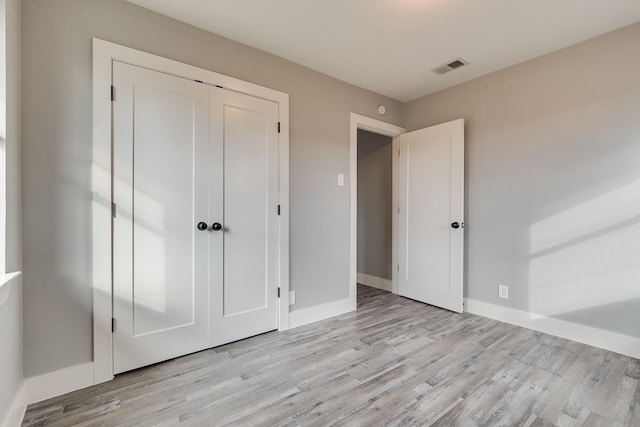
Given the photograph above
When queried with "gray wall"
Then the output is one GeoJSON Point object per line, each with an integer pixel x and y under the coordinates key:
{"type": "Point", "coordinates": [374, 204]}
{"type": "Point", "coordinates": [11, 372]}
{"type": "Point", "coordinates": [553, 181]}
{"type": "Point", "coordinates": [56, 138]}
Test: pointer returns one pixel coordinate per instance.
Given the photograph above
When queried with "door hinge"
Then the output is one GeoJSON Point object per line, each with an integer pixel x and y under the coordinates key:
{"type": "Point", "coordinates": [113, 325]}
{"type": "Point", "coordinates": [113, 210]}
{"type": "Point", "coordinates": [278, 292]}
{"type": "Point", "coordinates": [113, 93]}
{"type": "Point", "coordinates": [278, 127]}
{"type": "Point", "coordinates": [398, 267]}
{"type": "Point", "coordinates": [219, 86]}
{"type": "Point", "coordinates": [278, 209]}
{"type": "Point", "coordinates": [199, 81]}
{"type": "Point", "coordinates": [398, 210]}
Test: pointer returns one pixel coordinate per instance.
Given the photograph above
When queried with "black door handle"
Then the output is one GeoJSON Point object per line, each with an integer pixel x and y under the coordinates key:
{"type": "Point", "coordinates": [216, 226]}
{"type": "Point", "coordinates": [202, 226]}
{"type": "Point", "coordinates": [455, 225]}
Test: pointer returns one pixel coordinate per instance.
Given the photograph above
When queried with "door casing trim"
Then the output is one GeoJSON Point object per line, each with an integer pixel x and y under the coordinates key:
{"type": "Point", "coordinates": [104, 53]}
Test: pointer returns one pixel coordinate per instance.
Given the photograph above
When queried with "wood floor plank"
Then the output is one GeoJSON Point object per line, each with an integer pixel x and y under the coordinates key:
{"type": "Point", "coordinates": [393, 362]}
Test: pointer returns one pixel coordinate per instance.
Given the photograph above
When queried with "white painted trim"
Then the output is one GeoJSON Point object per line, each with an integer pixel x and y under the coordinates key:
{"type": "Point", "coordinates": [101, 227]}
{"type": "Point", "coordinates": [375, 282]}
{"type": "Point", "coordinates": [319, 312]}
{"type": "Point", "coordinates": [395, 217]}
{"type": "Point", "coordinates": [15, 413]}
{"type": "Point", "coordinates": [57, 383]}
{"type": "Point", "coordinates": [104, 53]}
{"type": "Point", "coordinates": [376, 126]}
{"type": "Point", "coordinates": [7, 277]}
{"type": "Point", "coordinates": [607, 340]}
{"type": "Point", "coordinates": [283, 142]}
{"type": "Point", "coordinates": [5, 285]}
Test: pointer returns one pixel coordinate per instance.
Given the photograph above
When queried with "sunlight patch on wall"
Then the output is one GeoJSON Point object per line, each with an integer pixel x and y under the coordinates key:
{"type": "Point", "coordinates": [588, 255]}
{"type": "Point", "coordinates": [594, 215]}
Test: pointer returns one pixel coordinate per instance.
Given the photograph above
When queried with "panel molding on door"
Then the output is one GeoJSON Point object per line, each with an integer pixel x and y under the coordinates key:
{"type": "Point", "coordinates": [160, 289]}
{"type": "Point", "coordinates": [431, 215]}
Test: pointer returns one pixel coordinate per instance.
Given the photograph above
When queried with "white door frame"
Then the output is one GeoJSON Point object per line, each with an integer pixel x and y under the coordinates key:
{"type": "Point", "coordinates": [382, 128]}
{"type": "Point", "coordinates": [104, 53]}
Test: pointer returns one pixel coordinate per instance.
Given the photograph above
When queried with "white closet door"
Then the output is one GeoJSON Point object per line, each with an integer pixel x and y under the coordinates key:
{"type": "Point", "coordinates": [431, 218]}
{"type": "Point", "coordinates": [244, 201]}
{"type": "Point", "coordinates": [160, 183]}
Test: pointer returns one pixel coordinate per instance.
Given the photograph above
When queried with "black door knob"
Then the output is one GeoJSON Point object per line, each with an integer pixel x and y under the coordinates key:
{"type": "Point", "coordinates": [455, 225]}
{"type": "Point", "coordinates": [216, 226]}
{"type": "Point", "coordinates": [202, 226]}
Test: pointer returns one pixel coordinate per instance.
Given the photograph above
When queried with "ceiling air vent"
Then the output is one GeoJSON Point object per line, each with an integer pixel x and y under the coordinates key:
{"type": "Point", "coordinates": [450, 66]}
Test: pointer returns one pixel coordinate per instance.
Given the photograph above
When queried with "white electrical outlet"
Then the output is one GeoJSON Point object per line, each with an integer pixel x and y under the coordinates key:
{"type": "Point", "coordinates": [292, 297]}
{"type": "Point", "coordinates": [503, 291]}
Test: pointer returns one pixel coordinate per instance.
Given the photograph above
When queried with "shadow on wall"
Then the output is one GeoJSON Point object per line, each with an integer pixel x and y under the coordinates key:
{"type": "Point", "coordinates": [585, 262]}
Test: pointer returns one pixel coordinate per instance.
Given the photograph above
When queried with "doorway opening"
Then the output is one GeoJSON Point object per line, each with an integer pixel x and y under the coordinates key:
{"type": "Point", "coordinates": [427, 211]}
{"type": "Point", "coordinates": [374, 198]}
{"type": "Point", "coordinates": [378, 133]}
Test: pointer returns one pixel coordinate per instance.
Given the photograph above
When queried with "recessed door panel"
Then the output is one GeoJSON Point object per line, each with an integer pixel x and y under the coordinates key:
{"type": "Point", "coordinates": [428, 242]}
{"type": "Point", "coordinates": [163, 233]}
{"type": "Point", "coordinates": [245, 209]}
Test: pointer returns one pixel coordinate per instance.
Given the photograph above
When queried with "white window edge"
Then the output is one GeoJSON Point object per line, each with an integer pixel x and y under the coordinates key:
{"type": "Point", "coordinates": [5, 285]}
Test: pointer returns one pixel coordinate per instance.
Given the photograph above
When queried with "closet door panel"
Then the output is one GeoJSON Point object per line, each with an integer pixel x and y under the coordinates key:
{"type": "Point", "coordinates": [244, 262]}
{"type": "Point", "coordinates": [160, 191]}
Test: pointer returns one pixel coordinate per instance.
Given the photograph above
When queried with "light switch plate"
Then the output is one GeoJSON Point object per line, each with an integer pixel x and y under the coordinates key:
{"type": "Point", "coordinates": [503, 291]}
{"type": "Point", "coordinates": [341, 179]}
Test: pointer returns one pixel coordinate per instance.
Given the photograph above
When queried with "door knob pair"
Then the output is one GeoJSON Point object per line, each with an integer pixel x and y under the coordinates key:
{"type": "Point", "coordinates": [216, 226]}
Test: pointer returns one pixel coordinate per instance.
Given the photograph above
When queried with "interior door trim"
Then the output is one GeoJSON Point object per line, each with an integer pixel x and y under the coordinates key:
{"type": "Point", "coordinates": [104, 53]}
{"type": "Point", "coordinates": [376, 126]}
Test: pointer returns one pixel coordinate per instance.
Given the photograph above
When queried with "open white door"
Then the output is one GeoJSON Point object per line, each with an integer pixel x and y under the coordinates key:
{"type": "Point", "coordinates": [431, 215]}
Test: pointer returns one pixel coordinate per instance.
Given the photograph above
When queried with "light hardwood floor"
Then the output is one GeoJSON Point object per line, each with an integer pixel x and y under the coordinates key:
{"type": "Point", "coordinates": [394, 362]}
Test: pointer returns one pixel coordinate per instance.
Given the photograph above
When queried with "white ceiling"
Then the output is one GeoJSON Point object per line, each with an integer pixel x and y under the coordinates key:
{"type": "Point", "coordinates": [390, 46]}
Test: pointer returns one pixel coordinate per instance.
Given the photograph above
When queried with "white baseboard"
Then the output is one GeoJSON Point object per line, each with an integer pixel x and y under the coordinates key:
{"type": "Point", "coordinates": [16, 411]}
{"type": "Point", "coordinates": [375, 282]}
{"type": "Point", "coordinates": [56, 383]}
{"type": "Point", "coordinates": [607, 340]}
{"type": "Point", "coordinates": [319, 312]}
